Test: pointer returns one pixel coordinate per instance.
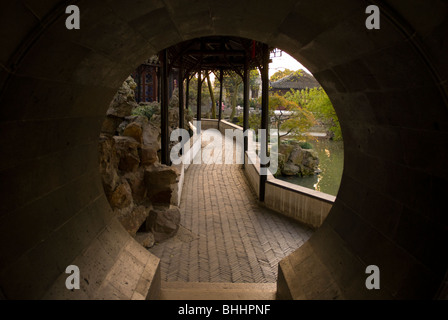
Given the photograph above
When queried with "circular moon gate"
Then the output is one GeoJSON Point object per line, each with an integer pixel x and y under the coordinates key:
{"type": "Point", "coordinates": [388, 87]}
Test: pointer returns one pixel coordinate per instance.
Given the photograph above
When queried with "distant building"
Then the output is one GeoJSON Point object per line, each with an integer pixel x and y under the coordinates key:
{"type": "Point", "coordinates": [294, 81]}
{"type": "Point", "coordinates": [147, 79]}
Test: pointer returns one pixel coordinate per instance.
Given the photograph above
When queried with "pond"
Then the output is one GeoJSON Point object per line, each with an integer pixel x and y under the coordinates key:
{"type": "Point", "coordinates": [331, 163]}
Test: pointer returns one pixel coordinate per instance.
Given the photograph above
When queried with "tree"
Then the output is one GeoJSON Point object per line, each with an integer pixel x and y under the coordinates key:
{"type": "Point", "coordinates": [193, 93]}
{"type": "Point", "coordinates": [317, 101]}
{"type": "Point", "coordinates": [212, 96]}
{"type": "Point", "coordinates": [232, 82]}
{"type": "Point", "coordinates": [254, 82]}
{"type": "Point", "coordinates": [281, 74]}
{"type": "Point", "coordinates": [288, 117]}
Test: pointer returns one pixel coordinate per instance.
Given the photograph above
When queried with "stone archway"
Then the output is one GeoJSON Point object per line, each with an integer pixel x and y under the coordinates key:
{"type": "Point", "coordinates": [388, 87]}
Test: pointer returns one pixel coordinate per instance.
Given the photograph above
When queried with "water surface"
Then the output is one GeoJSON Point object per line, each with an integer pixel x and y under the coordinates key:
{"type": "Point", "coordinates": [331, 163]}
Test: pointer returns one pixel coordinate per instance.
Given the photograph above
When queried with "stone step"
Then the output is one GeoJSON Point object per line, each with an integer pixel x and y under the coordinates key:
{"type": "Point", "coordinates": [217, 291]}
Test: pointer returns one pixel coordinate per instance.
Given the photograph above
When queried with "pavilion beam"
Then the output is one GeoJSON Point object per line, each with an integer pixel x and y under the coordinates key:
{"type": "Point", "coordinates": [246, 105]}
{"type": "Point", "coordinates": [264, 120]}
{"type": "Point", "coordinates": [208, 53]}
{"type": "Point", "coordinates": [164, 108]}
{"type": "Point", "coordinates": [221, 80]}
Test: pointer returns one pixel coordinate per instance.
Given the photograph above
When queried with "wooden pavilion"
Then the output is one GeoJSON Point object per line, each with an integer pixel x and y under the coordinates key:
{"type": "Point", "coordinates": [218, 54]}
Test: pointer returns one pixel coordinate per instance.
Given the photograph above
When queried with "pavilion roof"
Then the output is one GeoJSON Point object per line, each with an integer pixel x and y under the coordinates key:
{"type": "Point", "coordinates": [297, 80]}
{"type": "Point", "coordinates": [216, 53]}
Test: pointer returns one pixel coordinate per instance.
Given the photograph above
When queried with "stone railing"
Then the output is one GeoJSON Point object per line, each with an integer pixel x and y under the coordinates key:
{"type": "Point", "coordinates": [305, 205]}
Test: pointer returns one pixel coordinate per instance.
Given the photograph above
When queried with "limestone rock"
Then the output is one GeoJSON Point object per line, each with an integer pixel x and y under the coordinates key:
{"type": "Point", "coordinates": [160, 181]}
{"type": "Point", "coordinates": [296, 156]}
{"type": "Point", "coordinates": [146, 239]}
{"type": "Point", "coordinates": [133, 219]}
{"type": "Point", "coordinates": [173, 117]}
{"type": "Point", "coordinates": [110, 125]}
{"type": "Point", "coordinates": [136, 182]}
{"type": "Point", "coordinates": [149, 155]}
{"type": "Point", "coordinates": [163, 222]}
{"type": "Point", "coordinates": [124, 100]}
{"type": "Point", "coordinates": [127, 150]}
{"type": "Point", "coordinates": [301, 161]}
{"type": "Point", "coordinates": [140, 120]}
{"type": "Point", "coordinates": [108, 163]}
{"type": "Point", "coordinates": [121, 197]}
{"type": "Point", "coordinates": [151, 135]}
{"type": "Point", "coordinates": [134, 130]}
{"type": "Point", "coordinates": [290, 169]}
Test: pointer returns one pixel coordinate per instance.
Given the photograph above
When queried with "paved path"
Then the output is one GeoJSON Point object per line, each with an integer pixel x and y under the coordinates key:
{"type": "Point", "coordinates": [225, 236]}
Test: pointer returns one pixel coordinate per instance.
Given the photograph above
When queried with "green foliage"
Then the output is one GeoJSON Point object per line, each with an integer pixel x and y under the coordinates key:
{"type": "Point", "coordinates": [233, 84]}
{"type": "Point", "coordinates": [254, 104]}
{"type": "Point", "coordinates": [193, 92]}
{"type": "Point", "coordinates": [288, 117]}
{"type": "Point", "coordinates": [147, 109]}
{"type": "Point", "coordinates": [305, 145]}
{"type": "Point", "coordinates": [254, 121]}
{"type": "Point", "coordinates": [212, 96]}
{"type": "Point", "coordinates": [281, 74]}
{"type": "Point", "coordinates": [317, 101]}
{"type": "Point", "coordinates": [254, 79]}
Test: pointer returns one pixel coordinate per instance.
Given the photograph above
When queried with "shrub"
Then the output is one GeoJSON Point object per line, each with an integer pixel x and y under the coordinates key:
{"type": "Point", "coordinates": [306, 145]}
{"type": "Point", "coordinates": [147, 110]}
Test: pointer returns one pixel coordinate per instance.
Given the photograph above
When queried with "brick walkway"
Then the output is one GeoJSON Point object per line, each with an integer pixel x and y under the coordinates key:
{"type": "Point", "coordinates": [225, 236]}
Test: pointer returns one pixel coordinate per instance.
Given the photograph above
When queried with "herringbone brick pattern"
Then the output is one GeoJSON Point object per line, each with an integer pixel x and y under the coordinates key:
{"type": "Point", "coordinates": [225, 236]}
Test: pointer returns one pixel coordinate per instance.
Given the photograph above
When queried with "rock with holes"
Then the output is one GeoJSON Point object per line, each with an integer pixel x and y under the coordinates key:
{"type": "Point", "coordinates": [301, 162]}
{"type": "Point", "coordinates": [124, 100]}
{"type": "Point", "coordinates": [134, 130]}
{"type": "Point", "coordinates": [290, 169]}
{"type": "Point", "coordinates": [149, 155]}
{"type": "Point", "coordinates": [108, 163]}
{"type": "Point", "coordinates": [128, 153]}
{"type": "Point", "coordinates": [160, 181]}
{"type": "Point", "coordinates": [110, 125]}
{"type": "Point", "coordinates": [137, 184]}
{"type": "Point", "coordinates": [132, 219]}
{"type": "Point", "coordinates": [151, 135]}
{"type": "Point", "coordinates": [146, 239]}
{"type": "Point", "coordinates": [121, 197]}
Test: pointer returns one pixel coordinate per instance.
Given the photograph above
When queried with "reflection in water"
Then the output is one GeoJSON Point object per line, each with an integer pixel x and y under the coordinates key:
{"type": "Point", "coordinates": [331, 163]}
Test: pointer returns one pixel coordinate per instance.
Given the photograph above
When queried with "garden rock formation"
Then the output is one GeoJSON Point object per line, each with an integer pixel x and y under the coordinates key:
{"type": "Point", "coordinates": [301, 161]}
{"type": "Point", "coordinates": [139, 189]}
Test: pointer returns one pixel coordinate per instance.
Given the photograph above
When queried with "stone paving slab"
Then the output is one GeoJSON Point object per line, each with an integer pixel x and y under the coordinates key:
{"type": "Point", "coordinates": [225, 235]}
